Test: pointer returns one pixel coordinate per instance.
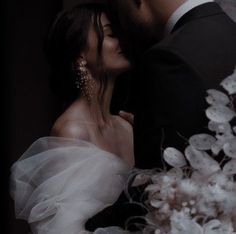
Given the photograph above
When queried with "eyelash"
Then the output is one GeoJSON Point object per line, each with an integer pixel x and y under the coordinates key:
{"type": "Point", "coordinates": [111, 35]}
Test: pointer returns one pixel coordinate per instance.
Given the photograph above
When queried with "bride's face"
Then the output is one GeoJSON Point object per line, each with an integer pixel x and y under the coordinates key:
{"type": "Point", "coordinates": [113, 60]}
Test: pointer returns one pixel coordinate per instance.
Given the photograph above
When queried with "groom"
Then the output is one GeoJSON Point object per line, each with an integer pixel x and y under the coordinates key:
{"type": "Point", "coordinates": [181, 49]}
{"type": "Point", "coordinates": [184, 48]}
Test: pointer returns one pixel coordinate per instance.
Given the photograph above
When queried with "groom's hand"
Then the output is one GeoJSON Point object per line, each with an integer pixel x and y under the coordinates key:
{"type": "Point", "coordinates": [127, 116]}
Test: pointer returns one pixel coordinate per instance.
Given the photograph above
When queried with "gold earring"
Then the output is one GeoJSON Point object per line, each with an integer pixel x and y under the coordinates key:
{"type": "Point", "coordinates": [84, 81]}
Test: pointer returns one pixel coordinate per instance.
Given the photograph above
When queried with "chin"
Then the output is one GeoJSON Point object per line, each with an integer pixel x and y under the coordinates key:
{"type": "Point", "coordinates": [120, 67]}
{"type": "Point", "coordinates": [117, 65]}
{"type": "Point", "coordinates": [119, 70]}
{"type": "Point", "coordinates": [126, 66]}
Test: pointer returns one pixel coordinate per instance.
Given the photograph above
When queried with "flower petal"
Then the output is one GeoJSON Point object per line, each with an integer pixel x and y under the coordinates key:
{"type": "Point", "coordinates": [217, 97]}
{"type": "Point", "coordinates": [202, 141]}
{"type": "Point", "coordinates": [230, 148]}
{"type": "Point", "coordinates": [220, 113]}
{"type": "Point", "coordinates": [229, 83]}
{"type": "Point", "coordinates": [230, 167]}
{"type": "Point", "coordinates": [220, 127]}
{"type": "Point", "coordinates": [217, 147]}
{"type": "Point", "coordinates": [176, 173]}
{"type": "Point", "coordinates": [174, 157]}
{"type": "Point", "coordinates": [201, 161]}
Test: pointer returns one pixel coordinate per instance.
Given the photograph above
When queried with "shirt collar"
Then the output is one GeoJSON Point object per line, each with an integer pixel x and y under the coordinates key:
{"type": "Point", "coordinates": [182, 10]}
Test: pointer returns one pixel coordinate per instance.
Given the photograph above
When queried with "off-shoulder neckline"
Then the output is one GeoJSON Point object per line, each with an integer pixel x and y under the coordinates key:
{"type": "Point", "coordinates": [84, 142]}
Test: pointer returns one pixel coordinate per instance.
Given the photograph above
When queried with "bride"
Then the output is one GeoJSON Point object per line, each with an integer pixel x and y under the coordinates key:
{"type": "Point", "coordinates": [64, 179]}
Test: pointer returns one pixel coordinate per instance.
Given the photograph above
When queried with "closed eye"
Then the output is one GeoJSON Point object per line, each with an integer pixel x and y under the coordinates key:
{"type": "Point", "coordinates": [111, 35]}
{"type": "Point", "coordinates": [108, 31]}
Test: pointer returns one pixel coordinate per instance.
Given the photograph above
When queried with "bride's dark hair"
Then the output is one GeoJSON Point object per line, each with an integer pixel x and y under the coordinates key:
{"type": "Point", "coordinates": [67, 38]}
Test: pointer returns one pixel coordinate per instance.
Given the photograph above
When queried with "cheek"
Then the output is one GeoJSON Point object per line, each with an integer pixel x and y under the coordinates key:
{"type": "Point", "coordinates": [110, 53]}
{"type": "Point", "coordinates": [110, 47]}
{"type": "Point", "coordinates": [113, 61]}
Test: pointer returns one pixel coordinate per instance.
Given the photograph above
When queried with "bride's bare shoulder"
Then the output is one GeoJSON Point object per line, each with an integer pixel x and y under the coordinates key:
{"type": "Point", "coordinates": [70, 129]}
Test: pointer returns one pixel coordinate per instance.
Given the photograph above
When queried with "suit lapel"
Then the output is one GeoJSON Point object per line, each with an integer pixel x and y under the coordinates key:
{"type": "Point", "coordinates": [202, 11]}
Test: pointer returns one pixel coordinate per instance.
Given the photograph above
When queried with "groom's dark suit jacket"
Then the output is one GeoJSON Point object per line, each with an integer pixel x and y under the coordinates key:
{"type": "Point", "coordinates": [172, 79]}
{"type": "Point", "coordinates": [170, 88]}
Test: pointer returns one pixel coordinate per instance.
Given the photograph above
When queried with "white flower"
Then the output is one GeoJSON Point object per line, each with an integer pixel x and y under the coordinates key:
{"type": "Point", "coordinates": [176, 173]}
{"type": "Point", "coordinates": [201, 161]}
{"type": "Point", "coordinates": [218, 178]}
{"type": "Point", "coordinates": [229, 83]}
{"type": "Point", "coordinates": [202, 141]}
{"type": "Point", "coordinates": [230, 148]}
{"type": "Point", "coordinates": [213, 193]}
{"type": "Point", "coordinates": [140, 179]}
{"type": "Point", "coordinates": [198, 195]}
{"type": "Point", "coordinates": [217, 227]}
{"type": "Point", "coordinates": [220, 127]}
{"type": "Point", "coordinates": [174, 157]}
{"type": "Point", "coordinates": [182, 224]}
{"type": "Point", "coordinates": [230, 167]}
{"type": "Point", "coordinates": [188, 187]}
{"type": "Point", "coordinates": [220, 113]}
{"type": "Point", "coordinates": [216, 97]}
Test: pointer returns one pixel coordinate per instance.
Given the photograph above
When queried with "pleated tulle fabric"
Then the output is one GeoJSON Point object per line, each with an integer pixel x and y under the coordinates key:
{"type": "Point", "coordinates": [59, 183]}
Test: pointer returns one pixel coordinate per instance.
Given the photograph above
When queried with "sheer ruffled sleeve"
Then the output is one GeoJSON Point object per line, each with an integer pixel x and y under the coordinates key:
{"type": "Point", "coordinates": [59, 183]}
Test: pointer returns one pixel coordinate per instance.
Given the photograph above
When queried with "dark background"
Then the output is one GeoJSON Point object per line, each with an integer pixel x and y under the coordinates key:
{"type": "Point", "coordinates": [29, 108]}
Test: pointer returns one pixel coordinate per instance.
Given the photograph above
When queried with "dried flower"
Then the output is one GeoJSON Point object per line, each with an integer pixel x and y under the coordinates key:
{"type": "Point", "coordinates": [198, 195]}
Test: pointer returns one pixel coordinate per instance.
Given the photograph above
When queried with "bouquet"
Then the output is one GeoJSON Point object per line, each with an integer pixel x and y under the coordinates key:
{"type": "Point", "coordinates": [198, 195]}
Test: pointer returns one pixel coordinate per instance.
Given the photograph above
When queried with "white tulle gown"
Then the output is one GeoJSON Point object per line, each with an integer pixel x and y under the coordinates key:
{"type": "Point", "coordinates": [59, 183]}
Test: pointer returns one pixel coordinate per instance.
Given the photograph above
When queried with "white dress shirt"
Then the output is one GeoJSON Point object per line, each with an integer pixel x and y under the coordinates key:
{"type": "Point", "coordinates": [182, 10]}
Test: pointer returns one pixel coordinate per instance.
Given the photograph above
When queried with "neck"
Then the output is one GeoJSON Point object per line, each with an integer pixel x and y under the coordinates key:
{"type": "Point", "coordinates": [101, 107]}
{"type": "Point", "coordinates": [93, 109]}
